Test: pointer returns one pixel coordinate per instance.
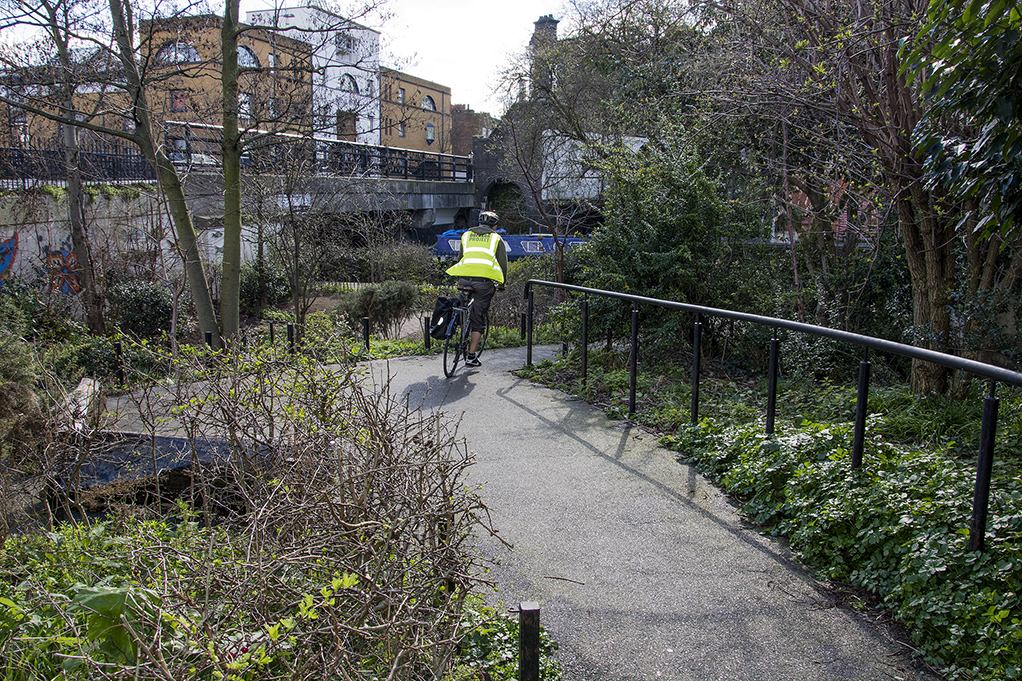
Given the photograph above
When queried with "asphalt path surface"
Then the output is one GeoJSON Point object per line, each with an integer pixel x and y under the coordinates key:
{"type": "Point", "coordinates": [643, 570]}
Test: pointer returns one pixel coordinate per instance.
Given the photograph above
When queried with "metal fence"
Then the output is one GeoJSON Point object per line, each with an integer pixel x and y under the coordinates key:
{"type": "Point", "coordinates": [27, 167]}
{"type": "Point", "coordinates": [199, 149]}
{"type": "Point", "coordinates": [196, 144]}
{"type": "Point", "coordinates": [992, 373]}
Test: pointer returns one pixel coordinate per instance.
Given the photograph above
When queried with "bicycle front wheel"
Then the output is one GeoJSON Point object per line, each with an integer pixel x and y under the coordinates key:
{"type": "Point", "coordinates": [453, 348]}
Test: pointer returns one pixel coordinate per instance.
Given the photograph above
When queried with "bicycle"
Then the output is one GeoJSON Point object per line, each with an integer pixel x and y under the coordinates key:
{"type": "Point", "coordinates": [459, 333]}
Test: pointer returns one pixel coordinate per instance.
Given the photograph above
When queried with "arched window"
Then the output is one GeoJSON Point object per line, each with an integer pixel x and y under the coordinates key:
{"type": "Point", "coordinates": [178, 52]}
{"type": "Point", "coordinates": [348, 83]}
{"type": "Point", "coordinates": [428, 104]}
{"type": "Point", "coordinates": [247, 58]}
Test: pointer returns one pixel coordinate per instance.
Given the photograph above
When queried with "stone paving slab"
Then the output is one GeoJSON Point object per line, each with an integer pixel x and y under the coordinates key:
{"type": "Point", "coordinates": [643, 570]}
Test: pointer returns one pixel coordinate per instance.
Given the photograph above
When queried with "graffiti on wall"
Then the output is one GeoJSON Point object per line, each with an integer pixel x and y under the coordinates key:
{"type": "Point", "coordinates": [8, 252]}
{"type": "Point", "coordinates": [63, 268]}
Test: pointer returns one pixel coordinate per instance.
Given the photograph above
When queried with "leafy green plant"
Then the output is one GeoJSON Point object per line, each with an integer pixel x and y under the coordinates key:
{"type": "Point", "coordinates": [92, 356]}
{"type": "Point", "coordinates": [488, 647]}
{"type": "Point", "coordinates": [141, 307]}
{"type": "Point", "coordinates": [262, 285]}
{"type": "Point", "coordinates": [386, 305]}
{"type": "Point", "coordinates": [345, 546]}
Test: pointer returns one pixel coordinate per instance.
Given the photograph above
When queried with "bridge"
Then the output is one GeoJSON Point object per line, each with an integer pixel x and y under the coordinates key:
{"type": "Point", "coordinates": [335, 177]}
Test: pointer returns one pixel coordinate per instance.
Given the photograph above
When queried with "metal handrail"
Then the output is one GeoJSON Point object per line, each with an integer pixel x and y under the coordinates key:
{"type": "Point", "coordinates": [950, 361]}
{"type": "Point", "coordinates": [995, 374]}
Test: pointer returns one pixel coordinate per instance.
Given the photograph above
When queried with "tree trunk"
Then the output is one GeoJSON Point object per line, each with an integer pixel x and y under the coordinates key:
{"type": "Point", "coordinates": [92, 301]}
{"type": "Point", "coordinates": [169, 181]}
{"type": "Point", "coordinates": [230, 286]}
{"type": "Point", "coordinates": [928, 251]}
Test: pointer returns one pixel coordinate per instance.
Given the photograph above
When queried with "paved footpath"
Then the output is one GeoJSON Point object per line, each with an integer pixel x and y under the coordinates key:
{"type": "Point", "coordinates": [642, 569]}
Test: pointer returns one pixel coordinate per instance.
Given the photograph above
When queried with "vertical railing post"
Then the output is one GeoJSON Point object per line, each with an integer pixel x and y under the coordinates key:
{"type": "Point", "coordinates": [861, 409]}
{"type": "Point", "coordinates": [426, 338]}
{"type": "Point", "coordinates": [984, 470]}
{"type": "Point", "coordinates": [521, 329]}
{"type": "Point", "coordinates": [365, 332]}
{"type": "Point", "coordinates": [775, 348]}
{"type": "Point", "coordinates": [528, 641]}
{"type": "Point", "coordinates": [291, 338]}
{"type": "Point", "coordinates": [697, 338]}
{"type": "Point", "coordinates": [528, 330]}
{"type": "Point", "coordinates": [634, 361]}
{"type": "Point", "coordinates": [271, 333]}
{"type": "Point", "coordinates": [585, 338]}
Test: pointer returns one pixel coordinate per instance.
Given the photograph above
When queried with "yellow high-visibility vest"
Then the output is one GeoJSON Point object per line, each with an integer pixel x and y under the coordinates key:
{"type": "Point", "coordinates": [478, 257]}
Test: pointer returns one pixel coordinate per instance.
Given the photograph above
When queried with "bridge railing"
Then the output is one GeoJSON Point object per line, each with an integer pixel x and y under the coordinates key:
{"type": "Point", "coordinates": [28, 166]}
{"type": "Point", "coordinates": [200, 144]}
{"type": "Point", "coordinates": [198, 148]}
{"type": "Point", "coordinates": [992, 373]}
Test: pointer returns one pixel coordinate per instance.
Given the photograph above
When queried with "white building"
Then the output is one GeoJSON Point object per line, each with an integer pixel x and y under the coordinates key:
{"type": "Point", "coordinates": [346, 69]}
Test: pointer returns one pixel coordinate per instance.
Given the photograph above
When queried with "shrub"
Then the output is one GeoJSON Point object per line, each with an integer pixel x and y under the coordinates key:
{"type": "Point", "coordinates": [142, 308]}
{"type": "Point", "coordinates": [91, 356]}
{"type": "Point", "coordinates": [386, 305]}
{"type": "Point", "coordinates": [40, 316]}
{"type": "Point", "coordinates": [348, 545]}
{"type": "Point", "coordinates": [262, 284]}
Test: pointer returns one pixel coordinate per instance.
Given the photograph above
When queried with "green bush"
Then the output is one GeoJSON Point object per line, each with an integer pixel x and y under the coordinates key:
{"type": "Point", "coordinates": [142, 308]}
{"type": "Point", "coordinates": [88, 356]}
{"type": "Point", "coordinates": [386, 305]}
{"type": "Point", "coordinates": [507, 307]}
{"type": "Point", "coordinates": [39, 316]}
{"type": "Point", "coordinates": [260, 285]}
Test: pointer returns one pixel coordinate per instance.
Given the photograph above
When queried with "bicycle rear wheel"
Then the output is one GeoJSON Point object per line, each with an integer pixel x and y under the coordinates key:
{"type": "Point", "coordinates": [454, 346]}
{"type": "Point", "coordinates": [482, 339]}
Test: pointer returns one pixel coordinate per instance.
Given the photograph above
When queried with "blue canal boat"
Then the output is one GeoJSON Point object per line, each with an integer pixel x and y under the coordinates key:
{"type": "Point", "coordinates": [448, 244]}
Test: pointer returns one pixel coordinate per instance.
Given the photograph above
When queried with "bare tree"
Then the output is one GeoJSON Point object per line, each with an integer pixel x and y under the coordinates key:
{"type": "Point", "coordinates": [140, 56]}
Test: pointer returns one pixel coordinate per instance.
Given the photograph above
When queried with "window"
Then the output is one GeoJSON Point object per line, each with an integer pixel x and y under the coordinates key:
{"type": "Point", "coordinates": [344, 43]}
{"type": "Point", "coordinates": [177, 53]}
{"type": "Point", "coordinates": [400, 95]}
{"type": "Point", "coordinates": [428, 104]}
{"type": "Point", "coordinates": [401, 129]}
{"type": "Point", "coordinates": [17, 115]}
{"type": "Point", "coordinates": [247, 58]}
{"type": "Point", "coordinates": [348, 84]}
{"type": "Point", "coordinates": [179, 100]}
{"type": "Point", "coordinates": [346, 126]}
{"type": "Point", "coordinates": [430, 133]}
{"type": "Point", "coordinates": [273, 60]}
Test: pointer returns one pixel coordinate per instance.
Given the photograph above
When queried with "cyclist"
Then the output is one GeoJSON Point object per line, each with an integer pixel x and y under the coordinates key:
{"type": "Point", "coordinates": [482, 269]}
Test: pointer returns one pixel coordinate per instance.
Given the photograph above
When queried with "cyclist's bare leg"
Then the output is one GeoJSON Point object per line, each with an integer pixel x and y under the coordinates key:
{"type": "Point", "coordinates": [473, 342]}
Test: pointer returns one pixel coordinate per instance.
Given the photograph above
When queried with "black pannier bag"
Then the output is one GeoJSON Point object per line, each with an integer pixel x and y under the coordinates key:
{"type": "Point", "coordinates": [441, 319]}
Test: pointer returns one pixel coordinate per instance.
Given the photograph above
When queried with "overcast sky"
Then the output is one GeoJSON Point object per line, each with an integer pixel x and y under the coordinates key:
{"type": "Point", "coordinates": [464, 44]}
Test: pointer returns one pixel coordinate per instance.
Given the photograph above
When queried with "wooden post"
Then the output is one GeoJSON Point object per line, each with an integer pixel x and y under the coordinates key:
{"type": "Point", "coordinates": [528, 641]}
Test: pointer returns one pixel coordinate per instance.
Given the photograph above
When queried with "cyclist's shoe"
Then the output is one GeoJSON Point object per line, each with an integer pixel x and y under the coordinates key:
{"type": "Point", "coordinates": [472, 361]}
